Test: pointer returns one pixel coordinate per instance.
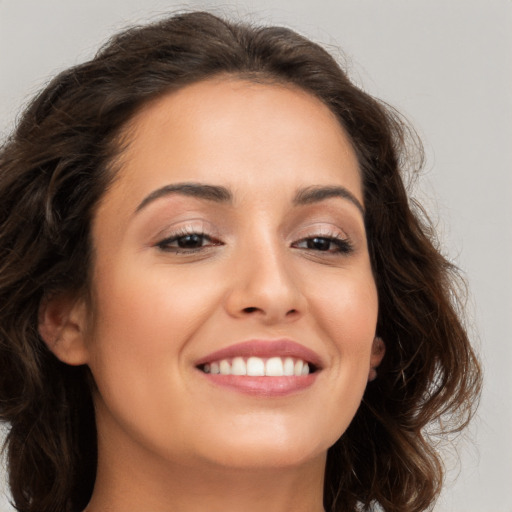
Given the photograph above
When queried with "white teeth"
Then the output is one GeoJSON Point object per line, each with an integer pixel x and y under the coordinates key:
{"type": "Point", "coordinates": [288, 367]}
{"type": "Point", "coordinates": [274, 367]}
{"type": "Point", "coordinates": [255, 367]}
{"type": "Point", "coordinates": [238, 367]}
{"type": "Point", "coordinates": [258, 367]}
{"type": "Point", "coordinates": [225, 368]}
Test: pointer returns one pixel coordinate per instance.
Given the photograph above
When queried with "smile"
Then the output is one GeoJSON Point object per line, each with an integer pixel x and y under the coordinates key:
{"type": "Point", "coordinates": [259, 367]}
{"type": "Point", "coordinates": [262, 368]}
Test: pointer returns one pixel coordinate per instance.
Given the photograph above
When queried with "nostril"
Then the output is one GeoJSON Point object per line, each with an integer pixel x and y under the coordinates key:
{"type": "Point", "coordinates": [253, 309]}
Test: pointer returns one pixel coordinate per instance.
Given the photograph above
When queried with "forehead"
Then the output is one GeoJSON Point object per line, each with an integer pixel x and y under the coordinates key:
{"type": "Point", "coordinates": [240, 134]}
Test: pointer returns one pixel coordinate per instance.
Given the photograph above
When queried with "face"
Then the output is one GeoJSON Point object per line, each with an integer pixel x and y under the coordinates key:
{"type": "Point", "coordinates": [232, 241]}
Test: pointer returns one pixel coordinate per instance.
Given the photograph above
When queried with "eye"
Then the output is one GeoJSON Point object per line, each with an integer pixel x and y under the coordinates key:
{"type": "Point", "coordinates": [330, 244]}
{"type": "Point", "coordinates": [187, 242]}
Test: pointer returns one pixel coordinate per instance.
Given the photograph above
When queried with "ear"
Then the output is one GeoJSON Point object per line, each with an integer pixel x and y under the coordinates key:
{"type": "Point", "coordinates": [62, 323]}
{"type": "Point", "coordinates": [378, 351]}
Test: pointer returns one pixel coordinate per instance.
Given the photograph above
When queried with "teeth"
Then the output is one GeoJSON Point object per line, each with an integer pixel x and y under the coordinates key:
{"type": "Point", "coordinates": [238, 367]}
{"type": "Point", "coordinates": [255, 367]}
{"type": "Point", "coordinates": [225, 368]}
{"type": "Point", "coordinates": [258, 367]}
{"type": "Point", "coordinates": [289, 367]}
{"type": "Point", "coordinates": [274, 367]}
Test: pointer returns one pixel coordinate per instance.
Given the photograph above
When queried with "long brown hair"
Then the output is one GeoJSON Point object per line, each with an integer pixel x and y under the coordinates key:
{"type": "Point", "coordinates": [54, 169]}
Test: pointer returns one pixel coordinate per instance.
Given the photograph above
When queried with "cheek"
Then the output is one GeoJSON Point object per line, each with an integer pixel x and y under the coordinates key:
{"type": "Point", "coordinates": [347, 306]}
{"type": "Point", "coordinates": [149, 303]}
{"type": "Point", "coordinates": [346, 310]}
{"type": "Point", "coordinates": [142, 324]}
{"type": "Point", "coordinates": [347, 318]}
{"type": "Point", "coordinates": [137, 345]}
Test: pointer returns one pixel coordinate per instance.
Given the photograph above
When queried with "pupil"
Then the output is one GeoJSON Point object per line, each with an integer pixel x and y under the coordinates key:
{"type": "Point", "coordinates": [320, 244]}
{"type": "Point", "coordinates": [190, 241]}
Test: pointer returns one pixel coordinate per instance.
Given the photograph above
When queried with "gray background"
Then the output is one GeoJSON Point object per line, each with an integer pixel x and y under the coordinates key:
{"type": "Point", "coordinates": [447, 66]}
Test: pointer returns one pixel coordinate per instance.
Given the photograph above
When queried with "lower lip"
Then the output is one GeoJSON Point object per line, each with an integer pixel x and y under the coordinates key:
{"type": "Point", "coordinates": [263, 386]}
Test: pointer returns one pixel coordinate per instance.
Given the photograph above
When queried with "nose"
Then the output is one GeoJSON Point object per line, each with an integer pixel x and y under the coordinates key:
{"type": "Point", "coordinates": [265, 286]}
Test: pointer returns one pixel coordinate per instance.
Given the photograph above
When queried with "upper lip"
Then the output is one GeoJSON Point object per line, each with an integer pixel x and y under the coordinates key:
{"type": "Point", "coordinates": [265, 349]}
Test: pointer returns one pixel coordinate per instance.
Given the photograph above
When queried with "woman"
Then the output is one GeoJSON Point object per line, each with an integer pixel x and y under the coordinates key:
{"type": "Point", "coordinates": [215, 294]}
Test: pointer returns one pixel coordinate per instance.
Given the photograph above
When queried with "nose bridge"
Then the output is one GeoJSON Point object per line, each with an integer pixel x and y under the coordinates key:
{"type": "Point", "coordinates": [264, 284]}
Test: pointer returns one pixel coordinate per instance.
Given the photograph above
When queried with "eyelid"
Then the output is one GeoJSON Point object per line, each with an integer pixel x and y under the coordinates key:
{"type": "Point", "coordinates": [186, 227]}
{"type": "Point", "coordinates": [182, 234]}
{"type": "Point", "coordinates": [321, 229]}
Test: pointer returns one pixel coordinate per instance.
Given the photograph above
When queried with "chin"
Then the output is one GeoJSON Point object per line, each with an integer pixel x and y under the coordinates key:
{"type": "Point", "coordinates": [268, 457]}
{"type": "Point", "coordinates": [272, 449]}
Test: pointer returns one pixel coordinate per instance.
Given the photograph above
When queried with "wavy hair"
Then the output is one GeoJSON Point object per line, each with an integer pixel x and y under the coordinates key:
{"type": "Point", "coordinates": [59, 162]}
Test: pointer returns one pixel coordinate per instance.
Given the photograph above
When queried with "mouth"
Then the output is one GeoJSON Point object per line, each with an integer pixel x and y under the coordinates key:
{"type": "Point", "coordinates": [260, 367]}
{"type": "Point", "coordinates": [263, 368]}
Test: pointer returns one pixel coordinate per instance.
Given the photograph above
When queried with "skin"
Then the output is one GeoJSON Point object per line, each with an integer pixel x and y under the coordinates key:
{"type": "Point", "coordinates": [168, 438]}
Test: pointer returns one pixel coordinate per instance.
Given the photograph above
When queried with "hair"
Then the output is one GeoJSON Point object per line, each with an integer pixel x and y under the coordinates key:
{"type": "Point", "coordinates": [59, 162]}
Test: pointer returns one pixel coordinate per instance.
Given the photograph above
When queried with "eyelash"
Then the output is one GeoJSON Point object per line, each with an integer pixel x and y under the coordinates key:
{"type": "Point", "coordinates": [165, 245]}
{"type": "Point", "coordinates": [342, 246]}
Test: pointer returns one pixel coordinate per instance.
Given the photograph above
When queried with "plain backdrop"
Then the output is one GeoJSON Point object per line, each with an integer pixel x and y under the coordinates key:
{"type": "Point", "coordinates": [447, 65]}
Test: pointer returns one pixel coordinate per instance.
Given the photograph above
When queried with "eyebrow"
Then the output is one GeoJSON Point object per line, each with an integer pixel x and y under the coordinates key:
{"type": "Point", "coordinates": [219, 194]}
{"type": "Point", "coordinates": [214, 193]}
{"type": "Point", "coordinates": [321, 193]}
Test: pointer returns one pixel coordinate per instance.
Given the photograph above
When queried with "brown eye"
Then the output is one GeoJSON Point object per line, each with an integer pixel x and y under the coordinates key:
{"type": "Point", "coordinates": [187, 242]}
{"type": "Point", "coordinates": [319, 244]}
{"type": "Point", "coordinates": [325, 244]}
{"type": "Point", "coordinates": [191, 241]}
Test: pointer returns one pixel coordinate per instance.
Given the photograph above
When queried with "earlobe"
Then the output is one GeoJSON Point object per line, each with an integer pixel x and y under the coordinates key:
{"type": "Point", "coordinates": [378, 351]}
{"type": "Point", "coordinates": [61, 324]}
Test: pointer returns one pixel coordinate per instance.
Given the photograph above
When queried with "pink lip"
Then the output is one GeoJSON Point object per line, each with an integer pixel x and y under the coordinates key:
{"type": "Point", "coordinates": [266, 349]}
{"type": "Point", "coordinates": [265, 387]}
